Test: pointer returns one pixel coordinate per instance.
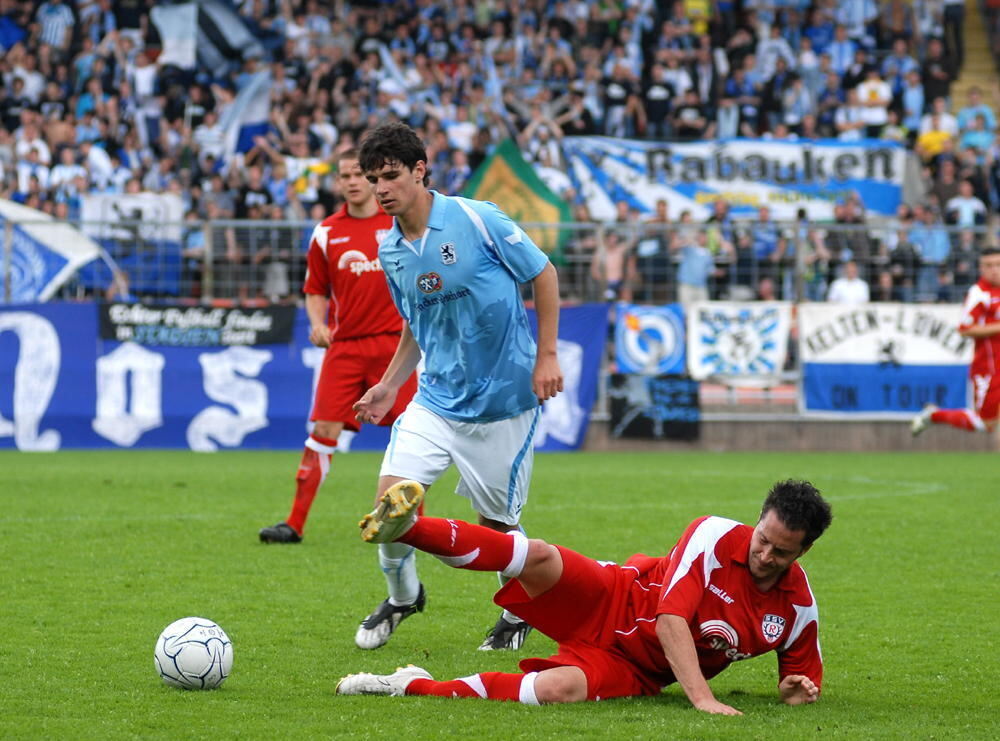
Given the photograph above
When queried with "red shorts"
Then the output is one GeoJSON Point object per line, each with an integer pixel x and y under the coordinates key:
{"type": "Point", "coordinates": [351, 367]}
{"type": "Point", "coordinates": [585, 636]}
{"type": "Point", "coordinates": [986, 393]}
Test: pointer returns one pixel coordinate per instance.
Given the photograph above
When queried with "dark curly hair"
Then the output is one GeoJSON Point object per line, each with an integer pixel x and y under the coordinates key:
{"type": "Point", "coordinates": [389, 143]}
{"type": "Point", "coordinates": [799, 506]}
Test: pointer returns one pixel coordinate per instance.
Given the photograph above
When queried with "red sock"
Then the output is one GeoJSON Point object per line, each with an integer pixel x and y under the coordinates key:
{"type": "Point", "coordinates": [960, 418]}
{"type": "Point", "coordinates": [466, 546]}
{"type": "Point", "coordinates": [312, 471]}
{"type": "Point", "coordinates": [488, 685]}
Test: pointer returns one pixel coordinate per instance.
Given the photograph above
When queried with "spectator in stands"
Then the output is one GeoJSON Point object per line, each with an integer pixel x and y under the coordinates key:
{"type": "Point", "coordinates": [896, 22]}
{"type": "Point", "coordinates": [976, 107]}
{"type": "Point", "coordinates": [696, 264]}
{"type": "Point", "coordinates": [797, 103]}
{"type": "Point", "coordinates": [849, 288]}
{"type": "Point", "coordinates": [856, 73]}
{"type": "Point", "coordinates": [904, 261]}
{"type": "Point", "coordinates": [931, 241]}
{"type": "Point", "coordinates": [849, 119]}
{"type": "Point", "coordinates": [938, 71]}
{"type": "Point", "coordinates": [934, 139]}
{"type": "Point", "coordinates": [56, 20]}
{"type": "Point", "coordinates": [841, 50]}
{"type": "Point", "coordinates": [977, 137]}
{"type": "Point", "coordinates": [689, 121]}
{"type": "Point", "coordinates": [746, 95]}
{"type": "Point", "coordinates": [875, 97]}
{"type": "Point", "coordinates": [613, 265]}
{"type": "Point", "coordinates": [654, 258]}
{"type": "Point", "coordinates": [965, 210]}
{"type": "Point", "coordinates": [898, 65]}
{"type": "Point", "coordinates": [768, 243]}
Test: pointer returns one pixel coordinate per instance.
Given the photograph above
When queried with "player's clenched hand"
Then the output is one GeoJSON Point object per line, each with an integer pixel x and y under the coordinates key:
{"type": "Point", "coordinates": [715, 707]}
{"type": "Point", "coordinates": [547, 379]}
{"type": "Point", "coordinates": [375, 404]}
{"type": "Point", "coordinates": [798, 689]}
{"type": "Point", "coordinates": [319, 335]}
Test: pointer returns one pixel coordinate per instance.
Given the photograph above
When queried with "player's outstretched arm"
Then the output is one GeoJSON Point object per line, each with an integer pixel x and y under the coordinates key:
{"type": "Point", "coordinates": [678, 646]}
{"type": "Point", "coordinates": [378, 400]}
{"type": "Point", "coordinates": [798, 689]}
{"type": "Point", "coordinates": [547, 378]}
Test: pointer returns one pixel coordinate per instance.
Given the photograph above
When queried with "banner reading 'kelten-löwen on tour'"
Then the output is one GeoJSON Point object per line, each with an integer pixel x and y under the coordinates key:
{"type": "Point", "coordinates": [882, 358]}
{"type": "Point", "coordinates": [747, 174]}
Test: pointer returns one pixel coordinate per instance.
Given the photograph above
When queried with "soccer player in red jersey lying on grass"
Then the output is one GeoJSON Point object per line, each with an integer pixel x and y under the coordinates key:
{"type": "Point", "coordinates": [725, 592]}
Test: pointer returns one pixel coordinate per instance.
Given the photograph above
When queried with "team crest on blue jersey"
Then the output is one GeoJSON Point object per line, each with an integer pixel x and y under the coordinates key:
{"type": "Point", "coordinates": [772, 626]}
{"type": "Point", "coordinates": [448, 256]}
{"type": "Point", "coordinates": [429, 282]}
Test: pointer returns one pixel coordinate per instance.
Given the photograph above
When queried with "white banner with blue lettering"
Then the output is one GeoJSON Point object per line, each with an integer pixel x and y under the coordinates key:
{"type": "Point", "coordinates": [738, 342]}
{"type": "Point", "coordinates": [45, 253]}
{"type": "Point", "coordinates": [63, 386]}
{"type": "Point", "coordinates": [650, 339]}
{"type": "Point", "coordinates": [882, 359]}
{"type": "Point", "coordinates": [746, 173]}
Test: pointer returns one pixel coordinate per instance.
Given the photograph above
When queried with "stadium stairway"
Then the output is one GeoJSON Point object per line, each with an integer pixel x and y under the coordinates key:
{"type": "Point", "coordinates": [979, 69]}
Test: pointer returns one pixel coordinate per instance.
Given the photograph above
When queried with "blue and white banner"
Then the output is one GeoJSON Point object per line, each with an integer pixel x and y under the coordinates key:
{"type": "Point", "coordinates": [882, 358]}
{"type": "Point", "coordinates": [744, 343]}
{"type": "Point", "coordinates": [62, 386]}
{"type": "Point", "coordinates": [46, 253]}
{"type": "Point", "coordinates": [247, 116]}
{"type": "Point", "coordinates": [747, 174]}
{"type": "Point", "coordinates": [142, 233]}
{"type": "Point", "coordinates": [207, 31]}
{"type": "Point", "coordinates": [650, 339]}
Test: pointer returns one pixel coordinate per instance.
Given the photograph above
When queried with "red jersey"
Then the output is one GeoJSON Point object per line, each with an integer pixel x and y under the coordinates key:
{"type": "Point", "coordinates": [982, 306]}
{"type": "Point", "coordinates": [706, 580]}
{"type": "Point", "coordinates": [343, 265]}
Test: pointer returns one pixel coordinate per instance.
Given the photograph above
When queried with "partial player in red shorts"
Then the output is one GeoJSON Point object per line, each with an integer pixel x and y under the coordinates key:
{"type": "Point", "coordinates": [352, 315]}
{"type": "Point", "coordinates": [726, 592]}
{"type": "Point", "coordinates": [981, 322]}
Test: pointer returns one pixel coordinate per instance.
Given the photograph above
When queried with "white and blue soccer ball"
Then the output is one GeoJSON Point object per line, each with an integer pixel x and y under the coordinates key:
{"type": "Point", "coordinates": [193, 653]}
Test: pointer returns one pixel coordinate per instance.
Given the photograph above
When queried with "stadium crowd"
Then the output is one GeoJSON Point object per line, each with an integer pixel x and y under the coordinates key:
{"type": "Point", "coordinates": [87, 106]}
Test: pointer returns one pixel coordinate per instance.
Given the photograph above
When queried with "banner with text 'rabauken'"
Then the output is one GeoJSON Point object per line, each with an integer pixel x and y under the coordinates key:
{"type": "Point", "coordinates": [747, 174]}
{"type": "Point", "coordinates": [882, 359]}
{"type": "Point", "coordinates": [209, 379]}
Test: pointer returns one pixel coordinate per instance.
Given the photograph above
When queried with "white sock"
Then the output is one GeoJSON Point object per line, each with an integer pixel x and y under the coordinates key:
{"type": "Point", "coordinates": [509, 616]}
{"type": "Point", "coordinates": [400, 568]}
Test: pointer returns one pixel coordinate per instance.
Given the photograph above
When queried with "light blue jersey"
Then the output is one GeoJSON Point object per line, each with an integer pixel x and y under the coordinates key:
{"type": "Point", "coordinates": [458, 288]}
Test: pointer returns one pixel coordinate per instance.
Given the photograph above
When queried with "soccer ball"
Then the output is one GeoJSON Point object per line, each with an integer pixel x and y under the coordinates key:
{"type": "Point", "coordinates": [193, 653]}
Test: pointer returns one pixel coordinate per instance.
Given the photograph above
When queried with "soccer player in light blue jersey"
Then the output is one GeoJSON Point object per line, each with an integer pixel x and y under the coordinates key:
{"type": "Point", "coordinates": [454, 268]}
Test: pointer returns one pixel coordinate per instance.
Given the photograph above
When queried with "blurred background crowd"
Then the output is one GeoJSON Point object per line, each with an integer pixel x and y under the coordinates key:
{"type": "Point", "coordinates": [88, 104]}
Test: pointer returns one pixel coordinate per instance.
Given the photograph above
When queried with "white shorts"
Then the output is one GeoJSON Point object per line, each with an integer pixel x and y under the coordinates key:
{"type": "Point", "coordinates": [494, 459]}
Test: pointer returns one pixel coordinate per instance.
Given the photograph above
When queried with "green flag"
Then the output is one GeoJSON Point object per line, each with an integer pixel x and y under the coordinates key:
{"type": "Point", "coordinates": [512, 184]}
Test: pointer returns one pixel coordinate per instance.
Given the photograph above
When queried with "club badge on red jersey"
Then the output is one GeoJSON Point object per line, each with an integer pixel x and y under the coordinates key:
{"type": "Point", "coordinates": [772, 626]}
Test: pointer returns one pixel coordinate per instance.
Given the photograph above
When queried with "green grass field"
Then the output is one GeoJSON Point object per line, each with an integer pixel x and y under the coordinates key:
{"type": "Point", "coordinates": [101, 550]}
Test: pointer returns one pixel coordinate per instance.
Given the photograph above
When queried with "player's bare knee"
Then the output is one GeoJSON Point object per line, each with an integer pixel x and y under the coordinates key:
{"type": "Point", "coordinates": [565, 684]}
{"type": "Point", "coordinates": [540, 555]}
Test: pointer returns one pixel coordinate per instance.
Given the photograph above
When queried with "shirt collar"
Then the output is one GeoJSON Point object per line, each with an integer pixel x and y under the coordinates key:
{"type": "Point", "coordinates": [435, 220]}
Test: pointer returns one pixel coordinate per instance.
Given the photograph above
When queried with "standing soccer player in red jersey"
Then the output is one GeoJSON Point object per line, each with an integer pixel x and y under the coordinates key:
{"type": "Point", "coordinates": [981, 322]}
{"type": "Point", "coordinates": [726, 592]}
{"type": "Point", "coordinates": [352, 315]}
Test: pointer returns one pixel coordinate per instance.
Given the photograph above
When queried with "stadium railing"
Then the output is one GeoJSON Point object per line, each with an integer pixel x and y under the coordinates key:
{"type": "Point", "coordinates": [259, 262]}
